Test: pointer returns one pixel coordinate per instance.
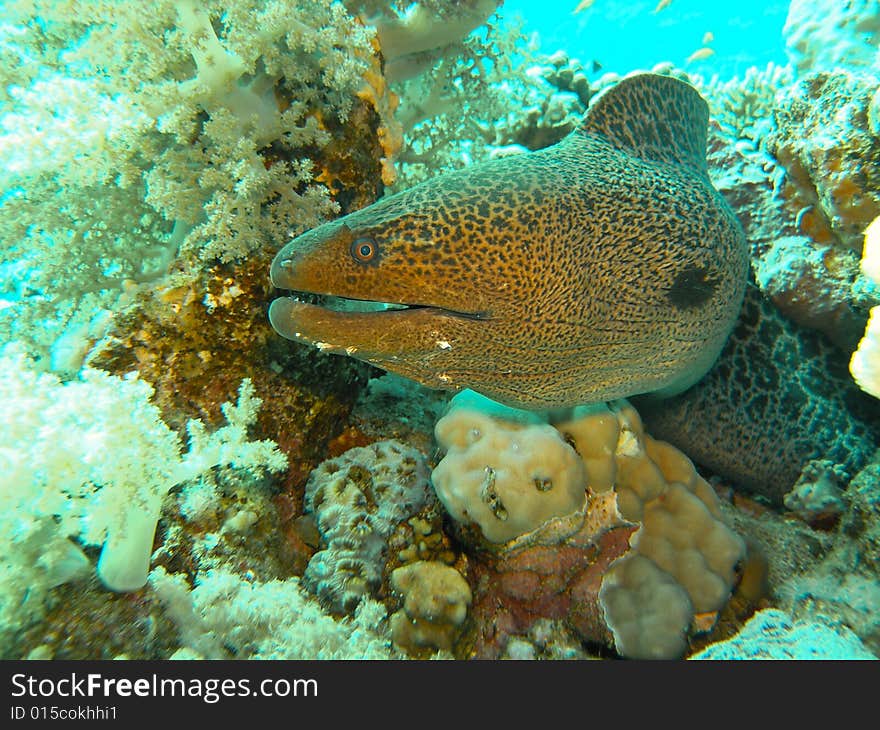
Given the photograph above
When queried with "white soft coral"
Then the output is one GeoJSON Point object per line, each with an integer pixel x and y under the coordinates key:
{"type": "Point", "coordinates": [865, 363]}
{"type": "Point", "coordinates": [91, 459]}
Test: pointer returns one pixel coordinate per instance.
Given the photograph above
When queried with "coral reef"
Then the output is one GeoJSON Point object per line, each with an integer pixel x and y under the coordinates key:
{"type": "Point", "coordinates": [181, 139]}
{"type": "Point", "coordinates": [793, 158]}
{"type": "Point", "coordinates": [743, 107]}
{"type": "Point", "coordinates": [195, 338]}
{"type": "Point", "coordinates": [357, 500]}
{"type": "Point", "coordinates": [645, 557]}
{"type": "Point", "coordinates": [817, 496]}
{"type": "Point", "coordinates": [394, 407]}
{"type": "Point", "coordinates": [156, 155]}
{"type": "Point", "coordinates": [833, 186]}
{"type": "Point", "coordinates": [772, 634]}
{"type": "Point", "coordinates": [553, 98]}
{"type": "Point", "coordinates": [828, 34]}
{"type": "Point", "coordinates": [827, 571]}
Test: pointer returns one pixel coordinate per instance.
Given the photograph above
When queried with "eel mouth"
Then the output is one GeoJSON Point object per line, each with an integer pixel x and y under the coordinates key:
{"type": "Point", "coordinates": [341, 324]}
{"type": "Point", "coordinates": [371, 327]}
{"type": "Point", "coordinates": [343, 305]}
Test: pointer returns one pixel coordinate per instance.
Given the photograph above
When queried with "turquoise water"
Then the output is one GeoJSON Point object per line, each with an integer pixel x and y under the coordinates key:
{"type": "Point", "coordinates": [622, 36]}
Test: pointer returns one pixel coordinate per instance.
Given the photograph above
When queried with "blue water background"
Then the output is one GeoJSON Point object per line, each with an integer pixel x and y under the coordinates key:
{"type": "Point", "coordinates": [623, 35]}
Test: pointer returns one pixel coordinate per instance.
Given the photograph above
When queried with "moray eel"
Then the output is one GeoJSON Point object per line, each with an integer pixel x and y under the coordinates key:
{"type": "Point", "coordinates": [779, 397]}
{"type": "Point", "coordinates": [601, 267]}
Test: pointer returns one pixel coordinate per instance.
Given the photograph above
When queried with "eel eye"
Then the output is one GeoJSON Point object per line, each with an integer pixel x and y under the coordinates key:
{"type": "Point", "coordinates": [364, 250]}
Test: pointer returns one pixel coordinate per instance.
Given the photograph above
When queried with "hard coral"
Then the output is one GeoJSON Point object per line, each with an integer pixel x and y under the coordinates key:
{"type": "Point", "coordinates": [647, 528]}
{"type": "Point", "coordinates": [554, 97]}
{"type": "Point", "coordinates": [358, 499]}
{"type": "Point", "coordinates": [832, 159]}
{"type": "Point", "coordinates": [797, 178]}
{"type": "Point", "coordinates": [436, 600]}
{"type": "Point", "coordinates": [507, 478]}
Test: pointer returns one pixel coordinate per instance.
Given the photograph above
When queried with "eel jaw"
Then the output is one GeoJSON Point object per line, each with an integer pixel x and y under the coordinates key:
{"type": "Point", "coordinates": [383, 334]}
{"type": "Point", "coordinates": [425, 344]}
{"type": "Point", "coordinates": [417, 339]}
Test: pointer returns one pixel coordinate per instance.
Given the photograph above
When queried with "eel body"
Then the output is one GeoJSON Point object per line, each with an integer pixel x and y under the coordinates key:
{"type": "Point", "coordinates": [602, 267]}
{"type": "Point", "coordinates": [779, 397]}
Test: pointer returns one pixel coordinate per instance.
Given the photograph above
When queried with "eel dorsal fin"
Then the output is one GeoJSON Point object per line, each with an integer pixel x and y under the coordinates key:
{"type": "Point", "coordinates": [654, 117]}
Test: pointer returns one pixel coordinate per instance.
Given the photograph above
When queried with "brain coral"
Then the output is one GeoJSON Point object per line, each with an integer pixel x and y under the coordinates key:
{"type": "Point", "coordinates": [358, 499]}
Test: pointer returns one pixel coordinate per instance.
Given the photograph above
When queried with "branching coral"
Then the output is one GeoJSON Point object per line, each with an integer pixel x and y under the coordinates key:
{"type": "Point", "coordinates": [744, 107]}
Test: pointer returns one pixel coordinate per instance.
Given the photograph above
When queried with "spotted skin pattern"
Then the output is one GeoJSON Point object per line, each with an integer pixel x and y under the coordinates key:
{"type": "Point", "coordinates": [601, 267]}
{"type": "Point", "coordinates": [778, 397]}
